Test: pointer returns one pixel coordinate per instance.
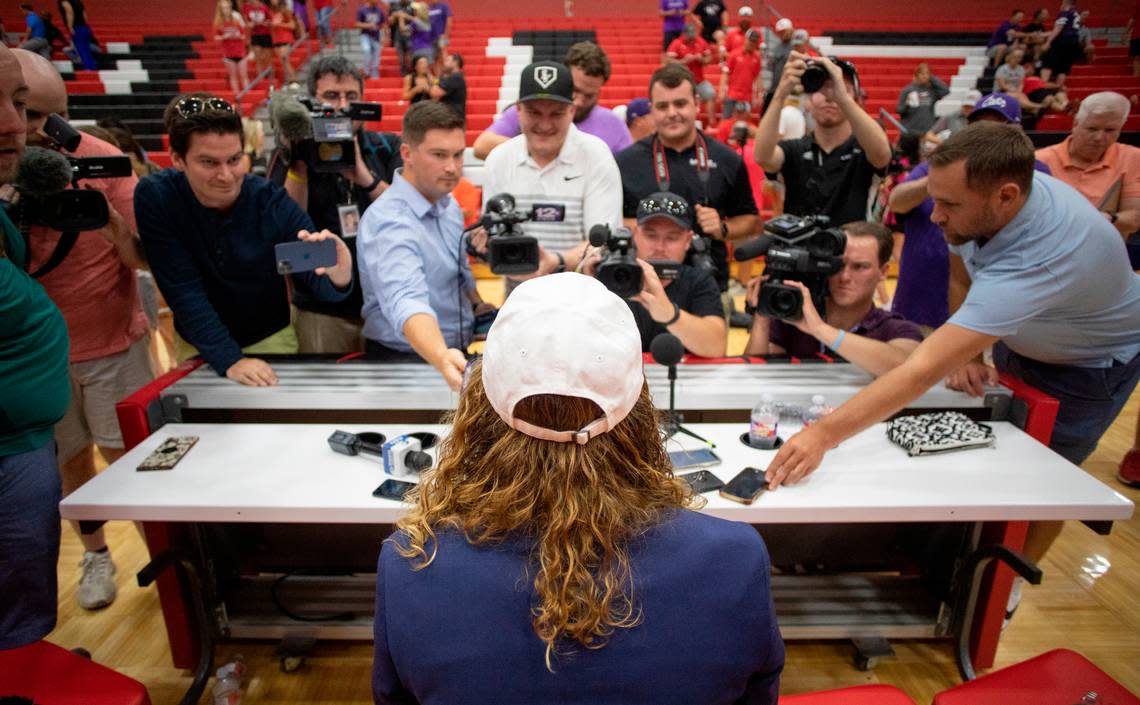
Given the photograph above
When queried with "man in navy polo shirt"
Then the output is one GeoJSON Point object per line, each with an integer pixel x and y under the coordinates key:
{"type": "Point", "coordinates": [209, 231]}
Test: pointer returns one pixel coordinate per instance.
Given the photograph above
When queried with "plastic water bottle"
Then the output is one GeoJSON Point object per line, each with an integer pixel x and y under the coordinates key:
{"type": "Point", "coordinates": [764, 423]}
{"type": "Point", "coordinates": [816, 411]}
{"type": "Point", "coordinates": [227, 687]}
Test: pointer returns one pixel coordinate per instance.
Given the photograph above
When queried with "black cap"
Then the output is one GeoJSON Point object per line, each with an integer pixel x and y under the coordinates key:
{"type": "Point", "coordinates": [546, 80]}
{"type": "Point", "coordinates": [667, 205]}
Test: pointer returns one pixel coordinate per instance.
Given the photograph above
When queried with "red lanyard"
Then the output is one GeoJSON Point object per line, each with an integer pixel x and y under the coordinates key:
{"type": "Point", "coordinates": [661, 164]}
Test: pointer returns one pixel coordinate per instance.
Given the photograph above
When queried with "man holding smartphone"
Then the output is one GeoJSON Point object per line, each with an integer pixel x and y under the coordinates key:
{"type": "Point", "coordinates": [680, 299]}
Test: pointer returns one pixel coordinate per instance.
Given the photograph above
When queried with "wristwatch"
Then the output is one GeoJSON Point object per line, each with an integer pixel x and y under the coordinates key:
{"type": "Point", "coordinates": [723, 228]}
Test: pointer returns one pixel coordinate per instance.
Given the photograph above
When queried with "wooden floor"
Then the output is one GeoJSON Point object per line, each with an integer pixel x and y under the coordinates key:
{"type": "Point", "coordinates": [1087, 602]}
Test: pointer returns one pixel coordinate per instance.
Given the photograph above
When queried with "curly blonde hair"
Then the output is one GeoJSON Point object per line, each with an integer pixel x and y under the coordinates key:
{"type": "Point", "coordinates": [580, 505]}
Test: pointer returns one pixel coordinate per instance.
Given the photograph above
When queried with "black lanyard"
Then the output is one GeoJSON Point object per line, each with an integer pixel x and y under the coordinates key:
{"type": "Point", "coordinates": [661, 164]}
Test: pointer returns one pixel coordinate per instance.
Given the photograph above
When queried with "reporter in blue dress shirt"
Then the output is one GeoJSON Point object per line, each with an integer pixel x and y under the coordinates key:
{"type": "Point", "coordinates": [419, 294]}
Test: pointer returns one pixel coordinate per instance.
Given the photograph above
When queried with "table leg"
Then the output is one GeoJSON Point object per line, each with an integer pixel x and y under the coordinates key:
{"type": "Point", "coordinates": [173, 595]}
{"type": "Point", "coordinates": [994, 594]}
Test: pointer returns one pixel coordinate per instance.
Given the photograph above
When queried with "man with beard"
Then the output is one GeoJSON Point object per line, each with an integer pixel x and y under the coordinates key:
{"type": "Point", "coordinates": [835, 169]}
{"type": "Point", "coordinates": [590, 69]}
{"type": "Point", "coordinates": [1050, 289]}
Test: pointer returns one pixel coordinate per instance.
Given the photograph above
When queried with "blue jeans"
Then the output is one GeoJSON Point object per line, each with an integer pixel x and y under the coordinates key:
{"type": "Point", "coordinates": [29, 545]}
{"type": "Point", "coordinates": [371, 48]}
{"type": "Point", "coordinates": [81, 39]}
{"type": "Point", "coordinates": [1090, 397]}
{"type": "Point", "coordinates": [324, 23]}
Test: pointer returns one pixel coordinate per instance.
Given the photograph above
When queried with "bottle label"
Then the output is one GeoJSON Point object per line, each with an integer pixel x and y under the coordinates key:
{"type": "Point", "coordinates": [762, 429]}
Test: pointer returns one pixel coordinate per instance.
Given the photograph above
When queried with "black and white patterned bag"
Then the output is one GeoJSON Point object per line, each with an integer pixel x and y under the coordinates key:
{"type": "Point", "coordinates": [938, 433]}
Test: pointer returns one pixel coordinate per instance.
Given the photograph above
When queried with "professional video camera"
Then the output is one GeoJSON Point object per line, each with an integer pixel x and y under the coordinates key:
{"type": "Point", "coordinates": [319, 134]}
{"type": "Point", "coordinates": [44, 175]}
{"type": "Point", "coordinates": [619, 269]}
{"type": "Point", "coordinates": [797, 249]}
{"type": "Point", "coordinates": [509, 251]}
{"type": "Point", "coordinates": [815, 75]}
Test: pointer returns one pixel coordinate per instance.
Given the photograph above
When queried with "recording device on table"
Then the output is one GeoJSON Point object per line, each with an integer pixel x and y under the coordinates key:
{"type": "Point", "coordinates": [667, 350]}
{"type": "Point", "coordinates": [168, 453]}
{"type": "Point", "coordinates": [702, 481]}
{"type": "Point", "coordinates": [796, 249]}
{"type": "Point", "coordinates": [302, 256]}
{"type": "Point", "coordinates": [748, 484]}
{"type": "Point", "coordinates": [509, 249]}
{"type": "Point", "coordinates": [402, 455]}
{"type": "Point", "coordinates": [319, 134]}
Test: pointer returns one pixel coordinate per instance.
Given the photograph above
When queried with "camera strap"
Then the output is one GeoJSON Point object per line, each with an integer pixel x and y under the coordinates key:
{"type": "Point", "coordinates": [661, 164]}
{"type": "Point", "coordinates": [62, 248]}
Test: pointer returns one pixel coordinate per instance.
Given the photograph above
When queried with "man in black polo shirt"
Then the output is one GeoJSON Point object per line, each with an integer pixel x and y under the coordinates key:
{"type": "Point", "coordinates": [834, 169]}
{"type": "Point", "coordinates": [686, 304]}
{"type": "Point", "coordinates": [680, 159]}
{"type": "Point", "coordinates": [335, 202]}
{"type": "Point", "coordinates": [452, 87]}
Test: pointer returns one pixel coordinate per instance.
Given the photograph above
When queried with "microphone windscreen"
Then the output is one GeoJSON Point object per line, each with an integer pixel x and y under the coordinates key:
{"type": "Point", "coordinates": [291, 119]}
{"type": "Point", "coordinates": [752, 249]}
{"type": "Point", "coordinates": [599, 235]}
{"type": "Point", "coordinates": [500, 203]}
{"type": "Point", "coordinates": [42, 172]}
{"type": "Point", "coordinates": [667, 349]}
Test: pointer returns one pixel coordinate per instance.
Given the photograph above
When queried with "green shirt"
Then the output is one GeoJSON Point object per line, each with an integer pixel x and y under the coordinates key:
{"type": "Point", "coordinates": [35, 388]}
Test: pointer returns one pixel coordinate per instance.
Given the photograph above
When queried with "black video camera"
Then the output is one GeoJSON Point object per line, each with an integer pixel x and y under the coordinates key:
{"type": "Point", "coordinates": [803, 250]}
{"type": "Point", "coordinates": [815, 75]}
{"type": "Point", "coordinates": [331, 149]}
{"type": "Point", "coordinates": [509, 251]}
{"type": "Point", "coordinates": [619, 269]}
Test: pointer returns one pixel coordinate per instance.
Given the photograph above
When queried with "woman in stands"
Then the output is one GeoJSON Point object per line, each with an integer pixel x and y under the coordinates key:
{"type": "Point", "coordinates": [229, 29]}
{"type": "Point", "coordinates": [418, 83]}
{"type": "Point", "coordinates": [75, 19]}
{"type": "Point", "coordinates": [284, 24]}
{"type": "Point", "coordinates": [539, 564]}
{"type": "Point", "coordinates": [256, 14]}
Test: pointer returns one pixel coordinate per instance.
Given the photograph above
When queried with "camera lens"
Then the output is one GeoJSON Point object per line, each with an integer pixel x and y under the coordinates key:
{"type": "Point", "coordinates": [828, 243]}
{"type": "Point", "coordinates": [814, 78]}
{"type": "Point", "coordinates": [510, 254]}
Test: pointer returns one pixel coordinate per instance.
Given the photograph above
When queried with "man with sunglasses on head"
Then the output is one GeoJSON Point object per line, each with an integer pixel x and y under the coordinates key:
{"type": "Point", "coordinates": [674, 298]}
{"type": "Point", "coordinates": [335, 201]}
{"type": "Point", "coordinates": [833, 170]}
{"type": "Point", "coordinates": [209, 231]}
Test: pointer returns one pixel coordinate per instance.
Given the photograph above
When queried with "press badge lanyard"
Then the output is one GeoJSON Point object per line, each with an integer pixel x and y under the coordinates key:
{"type": "Point", "coordinates": [661, 164]}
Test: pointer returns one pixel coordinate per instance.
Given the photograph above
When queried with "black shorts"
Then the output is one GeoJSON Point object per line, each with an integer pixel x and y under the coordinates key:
{"type": "Point", "coordinates": [232, 60]}
{"type": "Point", "coordinates": [668, 39]}
{"type": "Point", "coordinates": [264, 41]}
{"type": "Point", "coordinates": [1041, 94]}
{"type": "Point", "coordinates": [1134, 47]}
{"type": "Point", "coordinates": [1062, 55]}
{"type": "Point", "coordinates": [278, 45]}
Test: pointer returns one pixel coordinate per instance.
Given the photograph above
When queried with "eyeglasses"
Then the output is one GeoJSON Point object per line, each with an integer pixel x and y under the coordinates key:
{"type": "Point", "coordinates": [672, 206]}
{"type": "Point", "coordinates": [188, 107]}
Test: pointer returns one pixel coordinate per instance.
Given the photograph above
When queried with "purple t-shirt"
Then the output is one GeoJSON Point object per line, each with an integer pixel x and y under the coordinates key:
{"type": "Point", "coordinates": [421, 37]}
{"type": "Point", "coordinates": [601, 123]}
{"type": "Point", "coordinates": [438, 14]}
{"type": "Point", "coordinates": [1001, 34]}
{"type": "Point", "coordinates": [1070, 22]}
{"type": "Point", "coordinates": [924, 268]}
{"type": "Point", "coordinates": [674, 23]}
{"type": "Point", "coordinates": [878, 324]}
{"type": "Point", "coordinates": [371, 14]}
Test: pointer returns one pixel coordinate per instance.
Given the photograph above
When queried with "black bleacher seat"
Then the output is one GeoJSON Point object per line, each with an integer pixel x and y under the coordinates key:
{"type": "Point", "coordinates": [910, 38]}
{"type": "Point", "coordinates": [552, 45]}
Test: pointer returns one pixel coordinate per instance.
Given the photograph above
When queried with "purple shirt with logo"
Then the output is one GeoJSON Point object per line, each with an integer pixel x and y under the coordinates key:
{"type": "Point", "coordinates": [371, 14]}
{"type": "Point", "coordinates": [601, 123]}
{"type": "Point", "coordinates": [1070, 21]}
{"type": "Point", "coordinates": [674, 23]}
{"type": "Point", "coordinates": [438, 14]}
{"type": "Point", "coordinates": [880, 325]}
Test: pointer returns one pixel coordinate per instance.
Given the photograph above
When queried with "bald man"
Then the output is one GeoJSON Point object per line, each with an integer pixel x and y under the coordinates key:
{"type": "Point", "coordinates": [33, 396]}
{"type": "Point", "coordinates": [96, 288]}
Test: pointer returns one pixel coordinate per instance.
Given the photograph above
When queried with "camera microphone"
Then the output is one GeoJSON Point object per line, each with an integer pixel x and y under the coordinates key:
{"type": "Point", "coordinates": [290, 118]}
{"type": "Point", "coordinates": [500, 203]}
{"type": "Point", "coordinates": [666, 349]}
{"type": "Point", "coordinates": [753, 248]}
{"type": "Point", "coordinates": [599, 235]}
{"type": "Point", "coordinates": [43, 172]}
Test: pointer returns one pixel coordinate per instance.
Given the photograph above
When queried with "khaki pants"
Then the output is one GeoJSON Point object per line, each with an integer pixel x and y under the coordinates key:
{"type": "Point", "coordinates": [320, 333]}
{"type": "Point", "coordinates": [283, 342]}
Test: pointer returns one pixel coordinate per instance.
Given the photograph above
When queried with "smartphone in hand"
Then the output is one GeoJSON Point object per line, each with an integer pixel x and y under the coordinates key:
{"type": "Point", "coordinates": [304, 256]}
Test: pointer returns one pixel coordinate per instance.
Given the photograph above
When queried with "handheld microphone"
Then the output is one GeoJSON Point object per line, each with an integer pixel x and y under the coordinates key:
{"type": "Point", "coordinates": [42, 172]}
{"type": "Point", "coordinates": [753, 248]}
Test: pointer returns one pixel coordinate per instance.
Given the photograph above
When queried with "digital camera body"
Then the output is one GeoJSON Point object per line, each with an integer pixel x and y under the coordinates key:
{"type": "Point", "coordinates": [403, 455]}
{"type": "Point", "coordinates": [76, 209]}
{"type": "Point", "coordinates": [509, 250]}
{"type": "Point", "coordinates": [332, 148]}
{"type": "Point", "coordinates": [619, 269]}
{"type": "Point", "coordinates": [803, 250]}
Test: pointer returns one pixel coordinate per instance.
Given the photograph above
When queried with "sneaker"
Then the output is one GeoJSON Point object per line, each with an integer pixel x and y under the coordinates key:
{"type": "Point", "coordinates": [97, 584]}
{"type": "Point", "coordinates": [1014, 600]}
{"type": "Point", "coordinates": [1130, 468]}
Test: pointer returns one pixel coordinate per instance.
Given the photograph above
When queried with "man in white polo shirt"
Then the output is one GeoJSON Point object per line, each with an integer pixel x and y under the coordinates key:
{"type": "Point", "coordinates": [552, 163]}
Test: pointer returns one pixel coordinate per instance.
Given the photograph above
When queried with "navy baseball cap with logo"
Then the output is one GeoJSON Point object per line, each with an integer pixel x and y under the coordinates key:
{"type": "Point", "coordinates": [1001, 104]}
{"type": "Point", "coordinates": [665, 205]}
{"type": "Point", "coordinates": [636, 108]}
{"type": "Point", "coordinates": [546, 80]}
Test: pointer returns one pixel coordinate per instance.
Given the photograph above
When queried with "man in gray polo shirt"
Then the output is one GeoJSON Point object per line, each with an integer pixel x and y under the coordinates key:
{"type": "Point", "coordinates": [1051, 290]}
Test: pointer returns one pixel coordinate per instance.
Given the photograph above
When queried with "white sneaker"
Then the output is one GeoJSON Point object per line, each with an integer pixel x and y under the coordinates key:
{"type": "Point", "coordinates": [1014, 600]}
{"type": "Point", "coordinates": [97, 584]}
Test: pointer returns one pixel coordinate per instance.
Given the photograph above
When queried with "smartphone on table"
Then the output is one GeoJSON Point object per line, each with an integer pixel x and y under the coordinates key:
{"type": "Point", "coordinates": [393, 489]}
{"type": "Point", "coordinates": [695, 458]}
{"type": "Point", "coordinates": [748, 484]}
{"type": "Point", "coordinates": [168, 453]}
{"type": "Point", "coordinates": [702, 481]}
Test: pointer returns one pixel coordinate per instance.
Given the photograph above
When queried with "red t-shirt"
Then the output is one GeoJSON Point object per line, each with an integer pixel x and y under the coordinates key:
{"type": "Point", "coordinates": [734, 40]}
{"type": "Point", "coordinates": [97, 293]}
{"type": "Point", "coordinates": [322, 4]}
{"type": "Point", "coordinates": [743, 68]}
{"type": "Point", "coordinates": [683, 49]}
{"type": "Point", "coordinates": [282, 27]}
{"type": "Point", "coordinates": [233, 39]}
{"type": "Point", "coordinates": [257, 17]}
{"type": "Point", "coordinates": [1031, 83]}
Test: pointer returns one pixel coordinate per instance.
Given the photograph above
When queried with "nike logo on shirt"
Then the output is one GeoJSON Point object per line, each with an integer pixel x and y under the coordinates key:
{"type": "Point", "coordinates": [571, 178]}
